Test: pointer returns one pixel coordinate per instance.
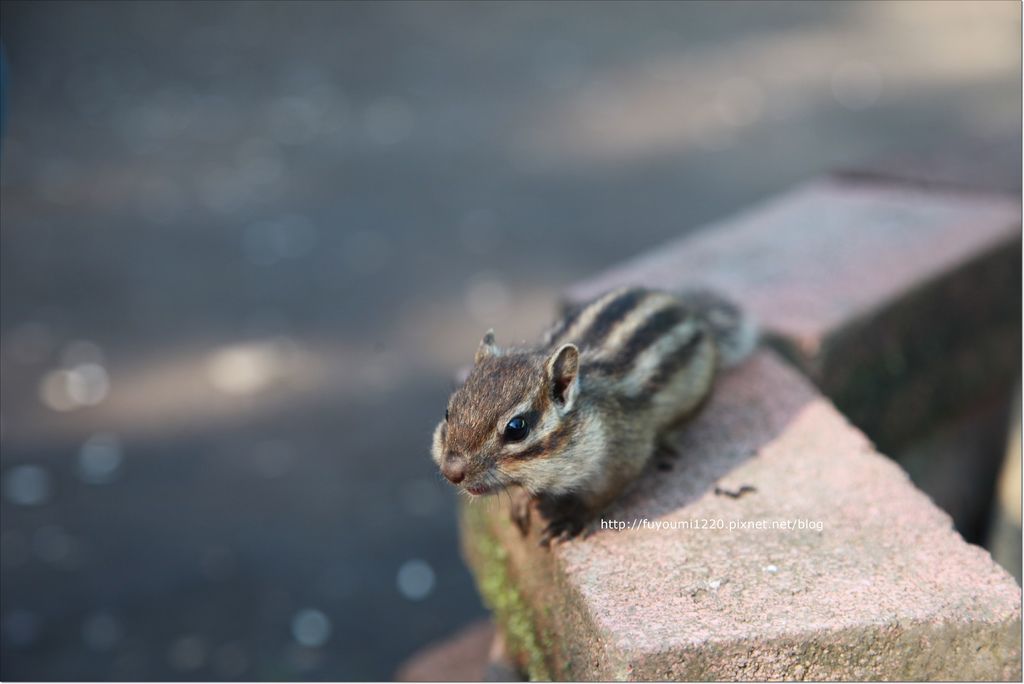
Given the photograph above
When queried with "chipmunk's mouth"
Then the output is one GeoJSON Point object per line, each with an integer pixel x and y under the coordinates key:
{"type": "Point", "coordinates": [479, 490]}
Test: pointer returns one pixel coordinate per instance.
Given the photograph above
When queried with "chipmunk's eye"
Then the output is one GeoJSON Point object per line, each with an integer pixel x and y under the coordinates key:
{"type": "Point", "coordinates": [446, 415]}
{"type": "Point", "coordinates": [516, 429]}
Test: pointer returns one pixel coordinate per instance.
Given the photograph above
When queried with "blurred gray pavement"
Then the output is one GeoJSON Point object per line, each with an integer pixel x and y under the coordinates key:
{"type": "Point", "coordinates": [244, 247]}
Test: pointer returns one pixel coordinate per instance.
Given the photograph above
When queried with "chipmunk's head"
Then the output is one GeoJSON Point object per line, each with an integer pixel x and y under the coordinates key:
{"type": "Point", "coordinates": [510, 415]}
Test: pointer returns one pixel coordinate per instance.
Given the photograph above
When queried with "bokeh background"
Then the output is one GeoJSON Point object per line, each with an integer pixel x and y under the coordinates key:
{"type": "Point", "coordinates": [246, 245]}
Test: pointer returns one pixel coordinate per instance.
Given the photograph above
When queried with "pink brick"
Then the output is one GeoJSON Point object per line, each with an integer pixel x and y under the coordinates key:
{"type": "Point", "coordinates": [886, 589]}
{"type": "Point", "coordinates": [825, 254]}
{"type": "Point", "coordinates": [886, 295]}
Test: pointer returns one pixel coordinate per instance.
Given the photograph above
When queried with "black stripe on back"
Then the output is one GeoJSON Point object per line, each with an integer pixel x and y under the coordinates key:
{"type": "Point", "coordinates": [661, 323]}
{"type": "Point", "coordinates": [671, 364]}
{"type": "Point", "coordinates": [613, 312]}
{"type": "Point", "coordinates": [654, 328]}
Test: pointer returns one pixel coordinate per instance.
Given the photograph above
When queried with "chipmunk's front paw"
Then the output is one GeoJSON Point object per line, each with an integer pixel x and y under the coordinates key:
{"type": "Point", "coordinates": [566, 518]}
{"type": "Point", "coordinates": [560, 530]}
{"type": "Point", "coordinates": [519, 510]}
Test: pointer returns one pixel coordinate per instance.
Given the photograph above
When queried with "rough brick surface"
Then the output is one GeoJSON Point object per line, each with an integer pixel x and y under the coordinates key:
{"type": "Point", "coordinates": [900, 303]}
{"type": "Point", "coordinates": [885, 590]}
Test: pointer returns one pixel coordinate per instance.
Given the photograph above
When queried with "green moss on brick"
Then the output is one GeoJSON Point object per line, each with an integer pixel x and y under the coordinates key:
{"type": "Point", "coordinates": [500, 595]}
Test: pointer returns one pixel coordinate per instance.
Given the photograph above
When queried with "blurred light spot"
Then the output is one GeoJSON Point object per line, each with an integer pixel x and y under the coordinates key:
{"type": "Point", "coordinates": [187, 653]}
{"type": "Point", "coordinates": [99, 459]}
{"type": "Point", "coordinates": [856, 85]}
{"type": "Point", "coordinates": [273, 459]}
{"type": "Point", "coordinates": [52, 544]}
{"type": "Point", "coordinates": [101, 631]}
{"type": "Point", "coordinates": [487, 299]}
{"type": "Point", "coordinates": [27, 485]}
{"type": "Point", "coordinates": [20, 628]}
{"type": "Point", "coordinates": [388, 120]}
{"type": "Point", "coordinates": [29, 343]}
{"type": "Point", "coordinates": [364, 252]}
{"type": "Point", "coordinates": [87, 384]}
{"type": "Point", "coordinates": [421, 497]}
{"type": "Point", "coordinates": [245, 368]}
{"type": "Point", "coordinates": [288, 237]}
{"type": "Point", "coordinates": [311, 628]}
{"type": "Point", "coordinates": [740, 102]}
{"type": "Point", "coordinates": [479, 231]}
{"type": "Point", "coordinates": [53, 391]}
{"type": "Point", "coordinates": [230, 660]}
{"type": "Point", "coordinates": [415, 580]}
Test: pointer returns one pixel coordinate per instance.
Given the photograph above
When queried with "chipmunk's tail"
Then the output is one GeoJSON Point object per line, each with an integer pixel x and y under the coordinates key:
{"type": "Point", "coordinates": [734, 329]}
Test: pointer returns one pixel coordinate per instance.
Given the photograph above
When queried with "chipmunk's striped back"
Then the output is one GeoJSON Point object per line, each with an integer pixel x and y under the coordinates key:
{"type": "Point", "coordinates": [641, 340]}
{"type": "Point", "coordinates": [580, 416]}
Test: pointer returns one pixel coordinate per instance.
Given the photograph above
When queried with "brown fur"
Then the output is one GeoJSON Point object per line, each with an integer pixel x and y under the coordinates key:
{"type": "Point", "coordinates": [610, 381]}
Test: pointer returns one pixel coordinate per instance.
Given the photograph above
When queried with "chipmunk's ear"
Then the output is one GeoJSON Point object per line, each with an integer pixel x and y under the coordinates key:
{"type": "Point", "coordinates": [563, 375]}
{"type": "Point", "coordinates": [487, 347]}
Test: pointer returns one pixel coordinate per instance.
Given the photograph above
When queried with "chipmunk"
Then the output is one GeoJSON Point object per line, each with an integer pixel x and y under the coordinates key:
{"type": "Point", "coordinates": [569, 424]}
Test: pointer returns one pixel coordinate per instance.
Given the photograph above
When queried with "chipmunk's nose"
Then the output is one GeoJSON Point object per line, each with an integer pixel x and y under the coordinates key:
{"type": "Point", "coordinates": [454, 468]}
